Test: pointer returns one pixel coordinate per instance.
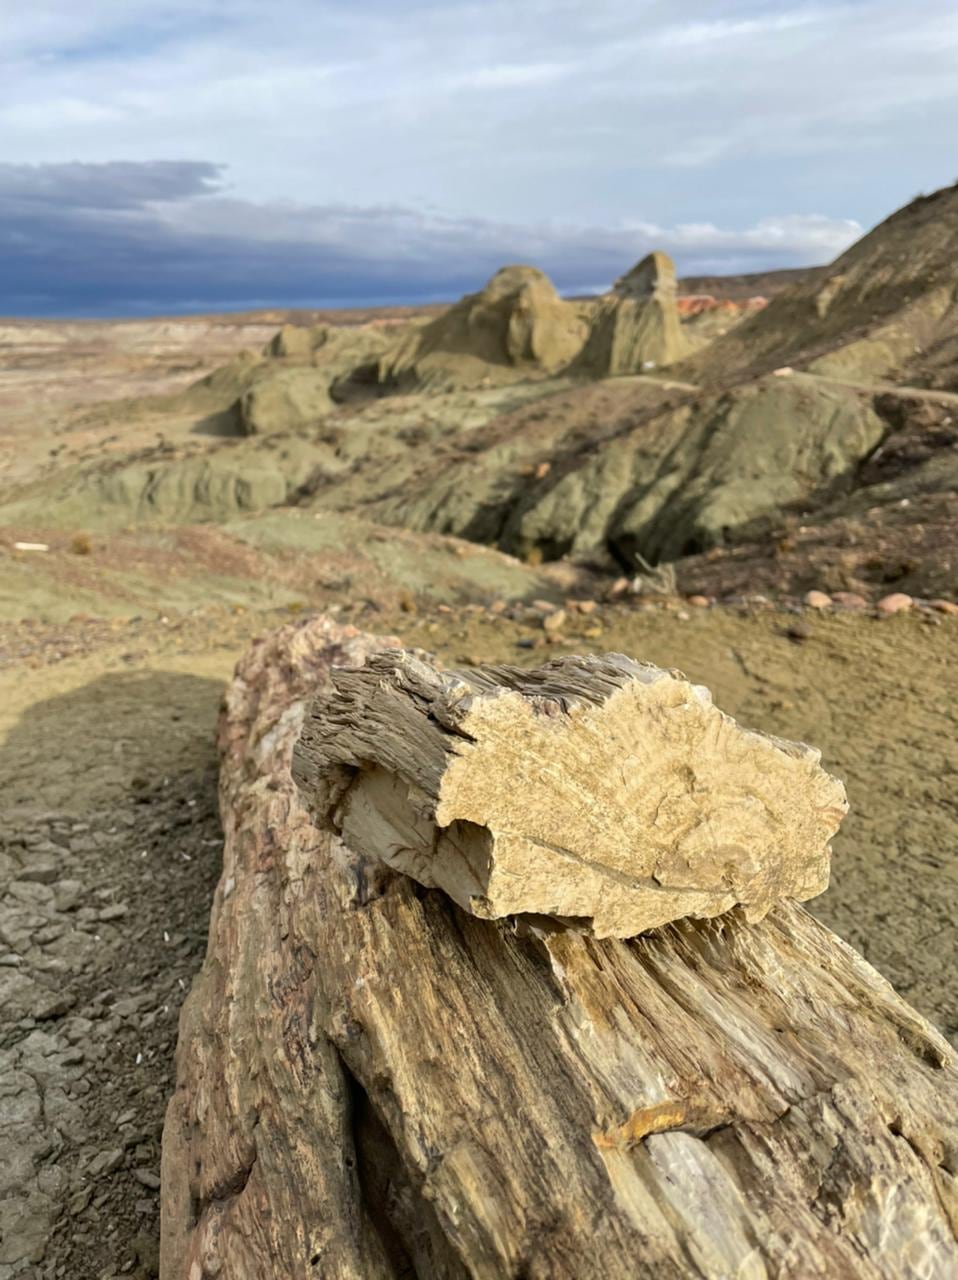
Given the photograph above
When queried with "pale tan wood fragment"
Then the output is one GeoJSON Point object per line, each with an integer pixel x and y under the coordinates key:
{"type": "Point", "coordinates": [600, 789]}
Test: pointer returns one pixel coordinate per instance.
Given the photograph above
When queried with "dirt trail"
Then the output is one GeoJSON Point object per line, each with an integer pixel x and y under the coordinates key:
{"type": "Point", "coordinates": [875, 388]}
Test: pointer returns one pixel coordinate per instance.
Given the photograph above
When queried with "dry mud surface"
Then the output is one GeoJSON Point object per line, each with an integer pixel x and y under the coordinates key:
{"type": "Point", "coordinates": [111, 850]}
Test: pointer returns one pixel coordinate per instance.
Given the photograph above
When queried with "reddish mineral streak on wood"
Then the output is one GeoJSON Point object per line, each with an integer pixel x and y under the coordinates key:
{"type": "Point", "coordinates": [374, 1083]}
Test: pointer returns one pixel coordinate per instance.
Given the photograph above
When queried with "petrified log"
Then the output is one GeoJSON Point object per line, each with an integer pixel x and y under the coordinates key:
{"type": "Point", "coordinates": [373, 1082]}
{"type": "Point", "coordinates": [601, 789]}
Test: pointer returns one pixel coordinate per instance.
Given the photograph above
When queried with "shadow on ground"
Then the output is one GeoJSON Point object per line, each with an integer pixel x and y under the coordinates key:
{"type": "Point", "coordinates": [111, 848]}
{"type": "Point", "coordinates": [226, 423]}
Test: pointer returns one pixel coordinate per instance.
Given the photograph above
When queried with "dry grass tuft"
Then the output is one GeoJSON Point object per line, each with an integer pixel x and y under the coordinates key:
{"type": "Point", "coordinates": [654, 580]}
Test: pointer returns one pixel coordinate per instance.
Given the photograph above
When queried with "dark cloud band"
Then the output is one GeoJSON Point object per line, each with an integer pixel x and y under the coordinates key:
{"type": "Point", "coordinates": [130, 238]}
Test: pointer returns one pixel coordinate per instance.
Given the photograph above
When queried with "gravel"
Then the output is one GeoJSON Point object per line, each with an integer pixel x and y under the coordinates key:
{"type": "Point", "coordinates": [90, 991]}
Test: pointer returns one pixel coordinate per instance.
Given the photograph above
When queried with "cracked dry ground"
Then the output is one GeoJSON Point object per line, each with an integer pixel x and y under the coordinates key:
{"type": "Point", "coordinates": [110, 847]}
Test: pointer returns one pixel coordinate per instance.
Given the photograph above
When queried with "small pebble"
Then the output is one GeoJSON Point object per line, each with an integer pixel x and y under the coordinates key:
{"type": "Point", "coordinates": [78, 1202]}
{"type": "Point", "coordinates": [897, 602]}
{"type": "Point", "coordinates": [105, 1162]}
{"type": "Point", "coordinates": [817, 600]}
{"type": "Point", "coordinates": [699, 602]}
{"type": "Point", "coordinates": [39, 871]}
{"type": "Point", "coordinates": [850, 600]}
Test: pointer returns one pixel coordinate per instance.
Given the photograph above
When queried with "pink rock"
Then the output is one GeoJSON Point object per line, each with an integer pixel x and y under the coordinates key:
{"type": "Point", "coordinates": [699, 602]}
{"type": "Point", "coordinates": [817, 599]}
{"type": "Point", "coordinates": [944, 606]}
{"type": "Point", "coordinates": [897, 602]}
{"type": "Point", "coordinates": [850, 600]}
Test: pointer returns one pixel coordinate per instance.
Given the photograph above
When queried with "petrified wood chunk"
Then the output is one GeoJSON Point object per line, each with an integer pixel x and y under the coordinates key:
{"type": "Point", "coordinates": [599, 789]}
{"type": "Point", "coordinates": [373, 1083]}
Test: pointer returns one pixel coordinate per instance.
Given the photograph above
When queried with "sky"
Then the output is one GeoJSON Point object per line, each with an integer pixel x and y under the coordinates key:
{"type": "Point", "coordinates": [162, 156]}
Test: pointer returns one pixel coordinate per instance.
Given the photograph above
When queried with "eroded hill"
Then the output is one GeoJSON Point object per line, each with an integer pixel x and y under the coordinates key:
{"type": "Point", "coordinates": [885, 310]}
{"type": "Point", "coordinates": [808, 441]}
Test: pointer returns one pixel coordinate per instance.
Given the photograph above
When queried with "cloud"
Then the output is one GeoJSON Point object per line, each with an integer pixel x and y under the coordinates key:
{"type": "Point", "coordinates": [510, 75]}
{"type": "Point", "coordinates": [589, 112]}
{"type": "Point", "coordinates": [116, 185]}
{"type": "Point", "coordinates": [684, 35]}
{"type": "Point", "coordinates": [377, 148]}
{"type": "Point", "coordinates": [128, 238]}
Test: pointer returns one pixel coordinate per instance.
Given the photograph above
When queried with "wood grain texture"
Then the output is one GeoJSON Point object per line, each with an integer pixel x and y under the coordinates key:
{"type": "Point", "coordinates": [373, 1082]}
{"type": "Point", "coordinates": [599, 789]}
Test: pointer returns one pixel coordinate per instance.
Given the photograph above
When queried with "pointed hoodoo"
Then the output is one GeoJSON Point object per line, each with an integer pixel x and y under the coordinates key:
{"type": "Point", "coordinates": [516, 326]}
{"type": "Point", "coordinates": [636, 327]}
{"type": "Point", "coordinates": [653, 277]}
